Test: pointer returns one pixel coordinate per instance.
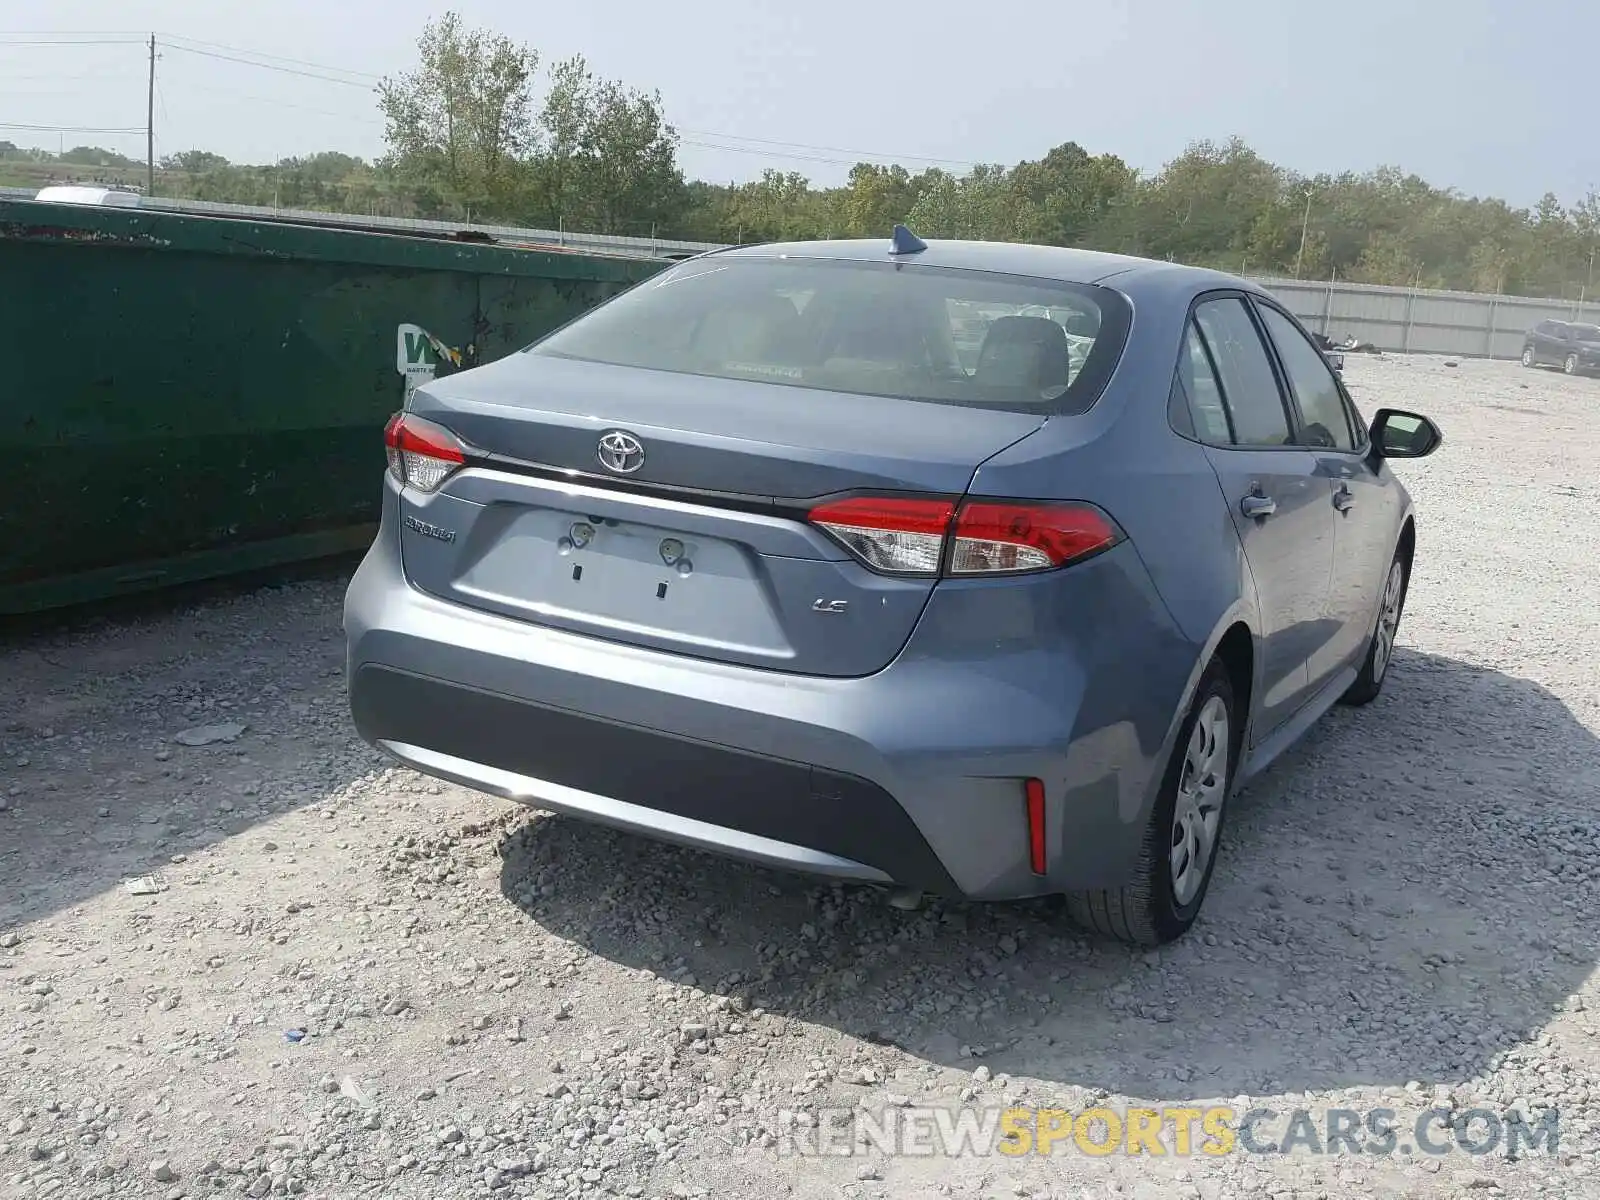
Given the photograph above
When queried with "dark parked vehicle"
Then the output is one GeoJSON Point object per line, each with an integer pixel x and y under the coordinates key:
{"type": "Point", "coordinates": [1333, 354]}
{"type": "Point", "coordinates": [1572, 346]}
{"type": "Point", "coordinates": [750, 559]}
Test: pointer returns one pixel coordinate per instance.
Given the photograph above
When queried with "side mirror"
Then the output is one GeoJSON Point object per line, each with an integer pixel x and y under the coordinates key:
{"type": "Point", "coordinates": [1398, 434]}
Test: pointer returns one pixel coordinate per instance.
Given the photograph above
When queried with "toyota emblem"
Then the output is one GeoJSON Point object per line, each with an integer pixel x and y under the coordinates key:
{"type": "Point", "coordinates": [621, 452]}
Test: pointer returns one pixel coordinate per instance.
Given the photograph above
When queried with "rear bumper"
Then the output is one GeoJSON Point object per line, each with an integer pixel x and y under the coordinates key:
{"type": "Point", "coordinates": [911, 776]}
{"type": "Point", "coordinates": [697, 793]}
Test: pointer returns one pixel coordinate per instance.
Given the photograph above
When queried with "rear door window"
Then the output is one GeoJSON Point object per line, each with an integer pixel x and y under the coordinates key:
{"type": "Point", "coordinates": [1249, 386]}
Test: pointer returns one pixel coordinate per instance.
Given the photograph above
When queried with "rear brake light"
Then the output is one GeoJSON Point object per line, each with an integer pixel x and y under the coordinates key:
{"type": "Point", "coordinates": [1001, 539]}
{"type": "Point", "coordinates": [421, 454]}
{"type": "Point", "coordinates": [890, 534]}
{"type": "Point", "coordinates": [924, 536]}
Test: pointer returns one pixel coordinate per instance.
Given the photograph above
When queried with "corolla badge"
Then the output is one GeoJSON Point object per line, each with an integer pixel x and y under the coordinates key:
{"type": "Point", "coordinates": [621, 452]}
{"type": "Point", "coordinates": [426, 530]}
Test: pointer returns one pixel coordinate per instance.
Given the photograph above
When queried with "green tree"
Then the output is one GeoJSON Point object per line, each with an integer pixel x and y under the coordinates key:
{"type": "Point", "coordinates": [609, 160]}
{"type": "Point", "coordinates": [981, 204]}
{"type": "Point", "coordinates": [464, 117]}
{"type": "Point", "coordinates": [780, 206]}
{"type": "Point", "coordinates": [876, 198]}
{"type": "Point", "coordinates": [1071, 193]}
{"type": "Point", "coordinates": [193, 162]}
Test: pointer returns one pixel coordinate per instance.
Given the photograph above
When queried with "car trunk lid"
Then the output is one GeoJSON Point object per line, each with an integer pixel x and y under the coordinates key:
{"type": "Point", "coordinates": [702, 548]}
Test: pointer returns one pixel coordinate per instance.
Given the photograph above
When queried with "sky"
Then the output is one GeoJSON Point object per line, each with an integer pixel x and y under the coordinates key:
{"type": "Point", "coordinates": [1466, 93]}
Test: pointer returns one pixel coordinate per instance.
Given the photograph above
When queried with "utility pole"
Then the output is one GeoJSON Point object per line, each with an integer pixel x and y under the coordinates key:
{"type": "Point", "coordinates": [1305, 224]}
{"type": "Point", "coordinates": [150, 126]}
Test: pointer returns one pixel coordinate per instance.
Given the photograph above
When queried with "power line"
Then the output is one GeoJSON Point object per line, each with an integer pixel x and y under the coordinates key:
{"type": "Point", "coordinates": [786, 156]}
{"type": "Point", "coordinates": [839, 162]}
{"type": "Point", "coordinates": [298, 62]}
{"type": "Point", "coordinates": [75, 33]}
{"type": "Point", "coordinates": [953, 162]}
{"type": "Point", "coordinates": [9, 79]}
{"type": "Point", "coordinates": [71, 128]}
{"type": "Point", "coordinates": [187, 86]}
{"type": "Point", "coordinates": [268, 66]}
{"type": "Point", "coordinates": [118, 41]}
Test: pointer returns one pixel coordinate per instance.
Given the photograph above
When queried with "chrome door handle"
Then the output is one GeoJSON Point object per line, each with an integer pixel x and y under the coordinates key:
{"type": "Point", "coordinates": [1258, 506]}
{"type": "Point", "coordinates": [1344, 500]}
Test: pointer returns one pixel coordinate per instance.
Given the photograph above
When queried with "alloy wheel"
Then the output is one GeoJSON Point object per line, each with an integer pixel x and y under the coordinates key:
{"type": "Point", "coordinates": [1202, 789]}
{"type": "Point", "coordinates": [1388, 621]}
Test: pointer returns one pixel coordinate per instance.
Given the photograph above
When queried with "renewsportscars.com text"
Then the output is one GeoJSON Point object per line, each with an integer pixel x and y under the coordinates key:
{"type": "Point", "coordinates": [1178, 1131]}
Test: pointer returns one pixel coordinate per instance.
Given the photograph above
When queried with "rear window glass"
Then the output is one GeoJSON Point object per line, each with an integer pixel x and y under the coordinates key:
{"type": "Point", "coordinates": [920, 333]}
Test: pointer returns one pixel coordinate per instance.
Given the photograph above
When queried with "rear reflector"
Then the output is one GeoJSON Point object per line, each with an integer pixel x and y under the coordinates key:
{"type": "Point", "coordinates": [901, 536]}
{"type": "Point", "coordinates": [422, 455]}
{"type": "Point", "coordinates": [1033, 789]}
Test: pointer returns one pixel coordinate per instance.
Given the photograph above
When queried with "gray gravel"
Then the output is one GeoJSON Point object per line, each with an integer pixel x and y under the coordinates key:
{"type": "Point", "coordinates": [337, 979]}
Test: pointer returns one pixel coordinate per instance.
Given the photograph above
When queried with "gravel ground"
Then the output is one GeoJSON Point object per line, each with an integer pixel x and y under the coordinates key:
{"type": "Point", "coordinates": [343, 979]}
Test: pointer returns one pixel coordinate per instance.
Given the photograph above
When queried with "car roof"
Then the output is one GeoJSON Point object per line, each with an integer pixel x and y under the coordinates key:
{"type": "Point", "coordinates": [1061, 263]}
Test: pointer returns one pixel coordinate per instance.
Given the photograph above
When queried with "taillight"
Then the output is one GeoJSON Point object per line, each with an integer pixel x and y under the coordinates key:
{"type": "Point", "coordinates": [924, 536]}
{"type": "Point", "coordinates": [421, 454]}
{"type": "Point", "coordinates": [1002, 539]}
{"type": "Point", "coordinates": [897, 536]}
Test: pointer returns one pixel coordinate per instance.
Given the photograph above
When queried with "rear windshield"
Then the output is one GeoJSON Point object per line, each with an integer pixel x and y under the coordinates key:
{"type": "Point", "coordinates": [940, 335]}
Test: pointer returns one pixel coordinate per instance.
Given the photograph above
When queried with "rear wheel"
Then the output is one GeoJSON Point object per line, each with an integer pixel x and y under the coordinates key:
{"type": "Point", "coordinates": [1380, 650]}
{"type": "Point", "coordinates": [1179, 850]}
{"type": "Point", "coordinates": [1570, 366]}
{"type": "Point", "coordinates": [1527, 356]}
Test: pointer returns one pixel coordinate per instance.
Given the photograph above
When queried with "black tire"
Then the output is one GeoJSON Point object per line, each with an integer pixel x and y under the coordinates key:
{"type": "Point", "coordinates": [1527, 356]}
{"type": "Point", "coordinates": [1369, 683]}
{"type": "Point", "coordinates": [1570, 364]}
{"type": "Point", "coordinates": [1144, 911]}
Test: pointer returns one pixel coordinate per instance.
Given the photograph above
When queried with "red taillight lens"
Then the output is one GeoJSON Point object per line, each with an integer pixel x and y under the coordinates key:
{"type": "Point", "coordinates": [1033, 790]}
{"type": "Point", "coordinates": [1000, 539]}
{"type": "Point", "coordinates": [897, 536]}
{"type": "Point", "coordinates": [909, 536]}
{"type": "Point", "coordinates": [421, 454]}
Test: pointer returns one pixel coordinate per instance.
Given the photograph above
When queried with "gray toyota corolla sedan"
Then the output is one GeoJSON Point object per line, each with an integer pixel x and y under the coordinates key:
{"type": "Point", "coordinates": [981, 570]}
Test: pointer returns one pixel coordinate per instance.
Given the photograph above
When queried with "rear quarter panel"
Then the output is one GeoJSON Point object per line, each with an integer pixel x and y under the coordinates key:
{"type": "Point", "coordinates": [1160, 488]}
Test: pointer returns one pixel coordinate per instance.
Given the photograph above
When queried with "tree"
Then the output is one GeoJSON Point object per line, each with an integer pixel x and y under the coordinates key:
{"type": "Point", "coordinates": [465, 116]}
{"type": "Point", "coordinates": [877, 198]}
{"type": "Point", "coordinates": [95, 156]}
{"type": "Point", "coordinates": [779, 207]}
{"type": "Point", "coordinates": [193, 162]}
{"type": "Point", "coordinates": [1204, 205]}
{"type": "Point", "coordinates": [981, 204]}
{"type": "Point", "coordinates": [1071, 192]}
{"type": "Point", "coordinates": [609, 159]}
{"type": "Point", "coordinates": [1389, 258]}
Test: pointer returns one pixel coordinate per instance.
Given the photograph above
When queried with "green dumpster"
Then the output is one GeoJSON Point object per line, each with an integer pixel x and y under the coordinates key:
{"type": "Point", "coordinates": [188, 396]}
